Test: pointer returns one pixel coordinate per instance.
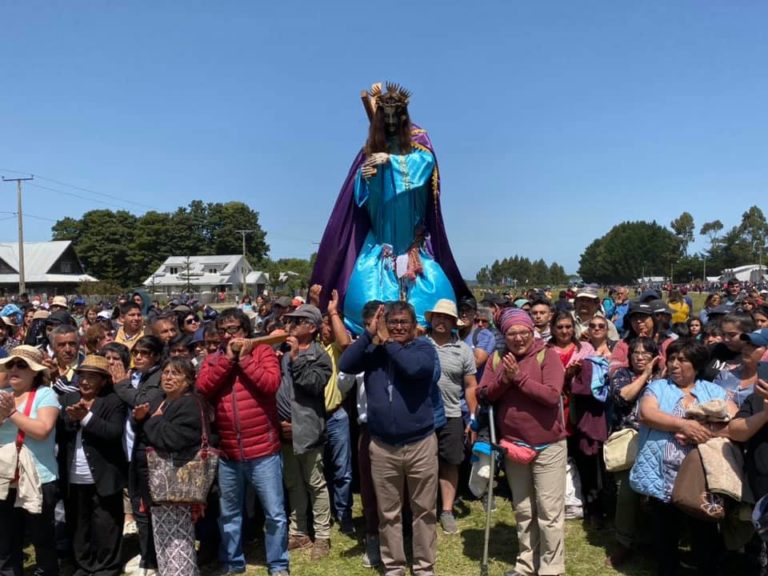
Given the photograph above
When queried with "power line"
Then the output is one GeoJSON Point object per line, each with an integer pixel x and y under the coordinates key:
{"type": "Point", "coordinates": [81, 188]}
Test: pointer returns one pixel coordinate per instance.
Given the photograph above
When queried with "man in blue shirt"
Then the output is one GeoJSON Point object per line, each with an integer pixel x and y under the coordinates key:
{"type": "Point", "coordinates": [400, 372]}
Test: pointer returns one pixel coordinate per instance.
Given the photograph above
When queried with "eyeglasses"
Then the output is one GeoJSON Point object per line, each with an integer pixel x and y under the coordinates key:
{"type": "Point", "coordinates": [15, 363]}
{"type": "Point", "coordinates": [136, 352]}
{"type": "Point", "coordinates": [398, 322]}
{"type": "Point", "coordinates": [597, 326]}
{"type": "Point", "coordinates": [642, 354]}
{"type": "Point", "coordinates": [231, 330]}
{"type": "Point", "coordinates": [524, 335]}
{"type": "Point", "coordinates": [191, 321]}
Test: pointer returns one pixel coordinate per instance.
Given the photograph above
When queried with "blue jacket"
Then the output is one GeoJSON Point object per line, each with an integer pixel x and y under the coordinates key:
{"type": "Point", "coordinates": [647, 474]}
{"type": "Point", "coordinates": [399, 382]}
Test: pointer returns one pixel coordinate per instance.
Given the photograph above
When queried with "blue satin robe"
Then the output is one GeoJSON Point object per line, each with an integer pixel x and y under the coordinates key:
{"type": "Point", "coordinates": [396, 199]}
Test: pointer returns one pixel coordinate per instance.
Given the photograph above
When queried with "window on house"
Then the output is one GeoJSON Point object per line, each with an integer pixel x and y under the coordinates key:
{"type": "Point", "coordinates": [66, 267]}
{"type": "Point", "coordinates": [173, 270]}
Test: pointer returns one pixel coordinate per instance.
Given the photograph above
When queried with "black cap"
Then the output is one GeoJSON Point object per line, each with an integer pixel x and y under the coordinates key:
{"type": "Point", "coordinates": [495, 300]}
{"type": "Point", "coordinates": [467, 302]}
{"type": "Point", "coordinates": [649, 295]}
{"type": "Point", "coordinates": [637, 307]}
{"type": "Point", "coordinates": [60, 317]}
{"type": "Point", "coordinates": [721, 310]}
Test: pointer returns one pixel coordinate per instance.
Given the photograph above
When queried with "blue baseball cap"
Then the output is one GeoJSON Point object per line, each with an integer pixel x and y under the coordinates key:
{"type": "Point", "coordinates": [758, 338]}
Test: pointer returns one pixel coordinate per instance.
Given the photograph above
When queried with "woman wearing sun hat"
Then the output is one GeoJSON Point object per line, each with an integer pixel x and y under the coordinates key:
{"type": "Point", "coordinates": [94, 468]}
{"type": "Point", "coordinates": [28, 412]}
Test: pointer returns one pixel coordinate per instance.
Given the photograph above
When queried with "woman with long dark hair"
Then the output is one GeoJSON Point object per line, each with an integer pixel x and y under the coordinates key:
{"type": "Point", "coordinates": [175, 428]}
{"type": "Point", "coordinates": [666, 437]}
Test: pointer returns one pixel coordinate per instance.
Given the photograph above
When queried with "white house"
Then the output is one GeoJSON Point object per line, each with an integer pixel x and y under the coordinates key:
{"type": "Point", "coordinates": [51, 267]}
{"type": "Point", "coordinates": [199, 274]}
{"type": "Point", "coordinates": [746, 273]}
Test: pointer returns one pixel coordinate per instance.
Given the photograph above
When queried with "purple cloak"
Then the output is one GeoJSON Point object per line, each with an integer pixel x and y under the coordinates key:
{"type": "Point", "coordinates": [349, 224]}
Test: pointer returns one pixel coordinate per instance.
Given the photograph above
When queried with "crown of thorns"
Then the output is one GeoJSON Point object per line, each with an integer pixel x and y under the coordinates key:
{"type": "Point", "coordinates": [395, 97]}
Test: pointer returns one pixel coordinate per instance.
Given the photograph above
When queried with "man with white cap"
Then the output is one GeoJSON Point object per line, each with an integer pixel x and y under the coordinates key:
{"type": "Point", "coordinates": [457, 380]}
{"type": "Point", "coordinates": [585, 307]}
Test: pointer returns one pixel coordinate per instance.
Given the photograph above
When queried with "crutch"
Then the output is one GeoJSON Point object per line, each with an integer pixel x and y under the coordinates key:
{"type": "Point", "coordinates": [495, 448]}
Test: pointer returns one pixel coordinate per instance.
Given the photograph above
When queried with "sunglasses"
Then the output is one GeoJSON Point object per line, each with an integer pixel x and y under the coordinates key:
{"type": "Point", "coordinates": [191, 321]}
{"type": "Point", "coordinates": [297, 321]}
{"type": "Point", "coordinates": [481, 321]}
{"type": "Point", "coordinates": [141, 353]}
{"type": "Point", "coordinates": [231, 330]}
{"type": "Point", "coordinates": [20, 364]}
{"type": "Point", "coordinates": [598, 326]}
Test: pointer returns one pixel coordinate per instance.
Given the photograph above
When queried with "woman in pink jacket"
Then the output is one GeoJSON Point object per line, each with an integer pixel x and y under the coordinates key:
{"type": "Point", "coordinates": [524, 383]}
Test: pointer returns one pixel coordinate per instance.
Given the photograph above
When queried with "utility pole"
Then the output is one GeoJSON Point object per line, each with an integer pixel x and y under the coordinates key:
{"type": "Point", "coordinates": [242, 269]}
{"type": "Point", "coordinates": [22, 284]}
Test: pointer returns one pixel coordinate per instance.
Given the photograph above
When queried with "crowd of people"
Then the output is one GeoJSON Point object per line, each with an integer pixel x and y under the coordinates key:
{"type": "Point", "coordinates": [286, 393]}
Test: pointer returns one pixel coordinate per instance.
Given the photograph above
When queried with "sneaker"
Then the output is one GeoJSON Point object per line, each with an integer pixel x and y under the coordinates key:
{"type": "Point", "coordinates": [299, 542]}
{"type": "Point", "coordinates": [347, 527]}
{"type": "Point", "coordinates": [130, 528]}
{"type": "Point", "coordinates": [321, 548]}
{"type": "Point", "coordinates": [133, 564]}
{"type": "Point", "coordinates": [574, 513]}
{"type": "Point", "coordinates": [448, 523]}
{"type": "Point", "coordinates": [372, 556]}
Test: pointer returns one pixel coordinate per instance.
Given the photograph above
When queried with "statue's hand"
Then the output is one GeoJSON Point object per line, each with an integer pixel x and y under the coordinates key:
{"type": "Point", "coordinates": [377, 158]}
{"type": "Point", "coordinates": [368, 171]}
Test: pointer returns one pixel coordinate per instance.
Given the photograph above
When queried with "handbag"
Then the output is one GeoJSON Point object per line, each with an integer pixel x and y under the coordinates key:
{"type": "Point", "coordinates": [620, 450]}
{"type": "Point", "coordinates": [518, 453]}
{"type": "Point", "coordinates": [691, 495]}
{"type": "Point", "coordinates": [174, 481]}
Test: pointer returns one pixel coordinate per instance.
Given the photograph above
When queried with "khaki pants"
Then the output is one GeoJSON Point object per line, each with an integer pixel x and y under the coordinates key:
{"type": "Point", "coordinates": [305, 480]}
{"type": "Point", "coordinates": [393, 468]}
{"type": "Point", "coordinates": [538, 496]}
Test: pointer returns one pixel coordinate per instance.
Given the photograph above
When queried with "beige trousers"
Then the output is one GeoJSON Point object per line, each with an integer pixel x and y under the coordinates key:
{"type": "Point", "coordinates": [538, 496]}
{"type": "Point", "coordinates": [392, 469]}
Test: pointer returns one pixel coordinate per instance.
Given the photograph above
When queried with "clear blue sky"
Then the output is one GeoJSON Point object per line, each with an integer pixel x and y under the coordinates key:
{"type": "Point", "coordinates": [552, 121]}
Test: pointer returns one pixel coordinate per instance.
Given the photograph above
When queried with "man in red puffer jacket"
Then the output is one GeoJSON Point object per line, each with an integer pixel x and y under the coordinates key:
{"type": "Point", "coordinates": [241, 382]}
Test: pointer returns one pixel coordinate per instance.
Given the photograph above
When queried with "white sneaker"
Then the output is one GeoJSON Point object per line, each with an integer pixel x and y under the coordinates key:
{"type": "Point", "coordinates": [574, 512]}
{"type": "Point", "coordinates": [133, 564]}
{"type": "Point", "coordinates": [130, 528]}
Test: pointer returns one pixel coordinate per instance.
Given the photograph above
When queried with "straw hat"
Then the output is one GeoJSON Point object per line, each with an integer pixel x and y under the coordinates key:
{"type": "Point", "coordinates": [31, 355]}
{"type": "Point", "coordinates": [94, 363]}
{"type": "Point", "coordinates": [447, 307]}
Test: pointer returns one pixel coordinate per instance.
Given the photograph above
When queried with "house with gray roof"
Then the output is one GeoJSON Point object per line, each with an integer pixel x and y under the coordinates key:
{"type": "Point", "coordinates": [50, 267]}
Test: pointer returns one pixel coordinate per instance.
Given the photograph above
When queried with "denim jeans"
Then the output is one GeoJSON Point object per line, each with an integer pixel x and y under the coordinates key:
{"type": "Point", "coordinates": [339, 459]}
{"type": "Point", "coordinates": [266, 476]}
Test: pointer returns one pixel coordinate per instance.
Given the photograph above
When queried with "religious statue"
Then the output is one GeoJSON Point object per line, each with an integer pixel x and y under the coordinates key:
{"type": "Point", "coordinates": [385, 239]}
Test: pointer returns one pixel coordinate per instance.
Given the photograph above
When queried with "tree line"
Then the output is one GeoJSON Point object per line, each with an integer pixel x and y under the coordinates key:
{"type": "Point", "coordinates": [520, 271]}
{"type": "Point", "coordinates": [633, 250]}
{"type": "Point", "coordinates": [123, 249]}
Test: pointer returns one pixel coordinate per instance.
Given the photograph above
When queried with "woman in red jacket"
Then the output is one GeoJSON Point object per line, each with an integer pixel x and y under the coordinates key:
{"type": "Point", "coordinates": [525, 384]}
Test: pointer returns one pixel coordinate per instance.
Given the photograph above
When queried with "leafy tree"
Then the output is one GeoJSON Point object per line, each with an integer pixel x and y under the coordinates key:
{"type": "Point", "coordinates": [627, 251]}
{"type": "Point", "coordinates": [121, 248]}
{"type": "Point", "coordinates": [683, 228]}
